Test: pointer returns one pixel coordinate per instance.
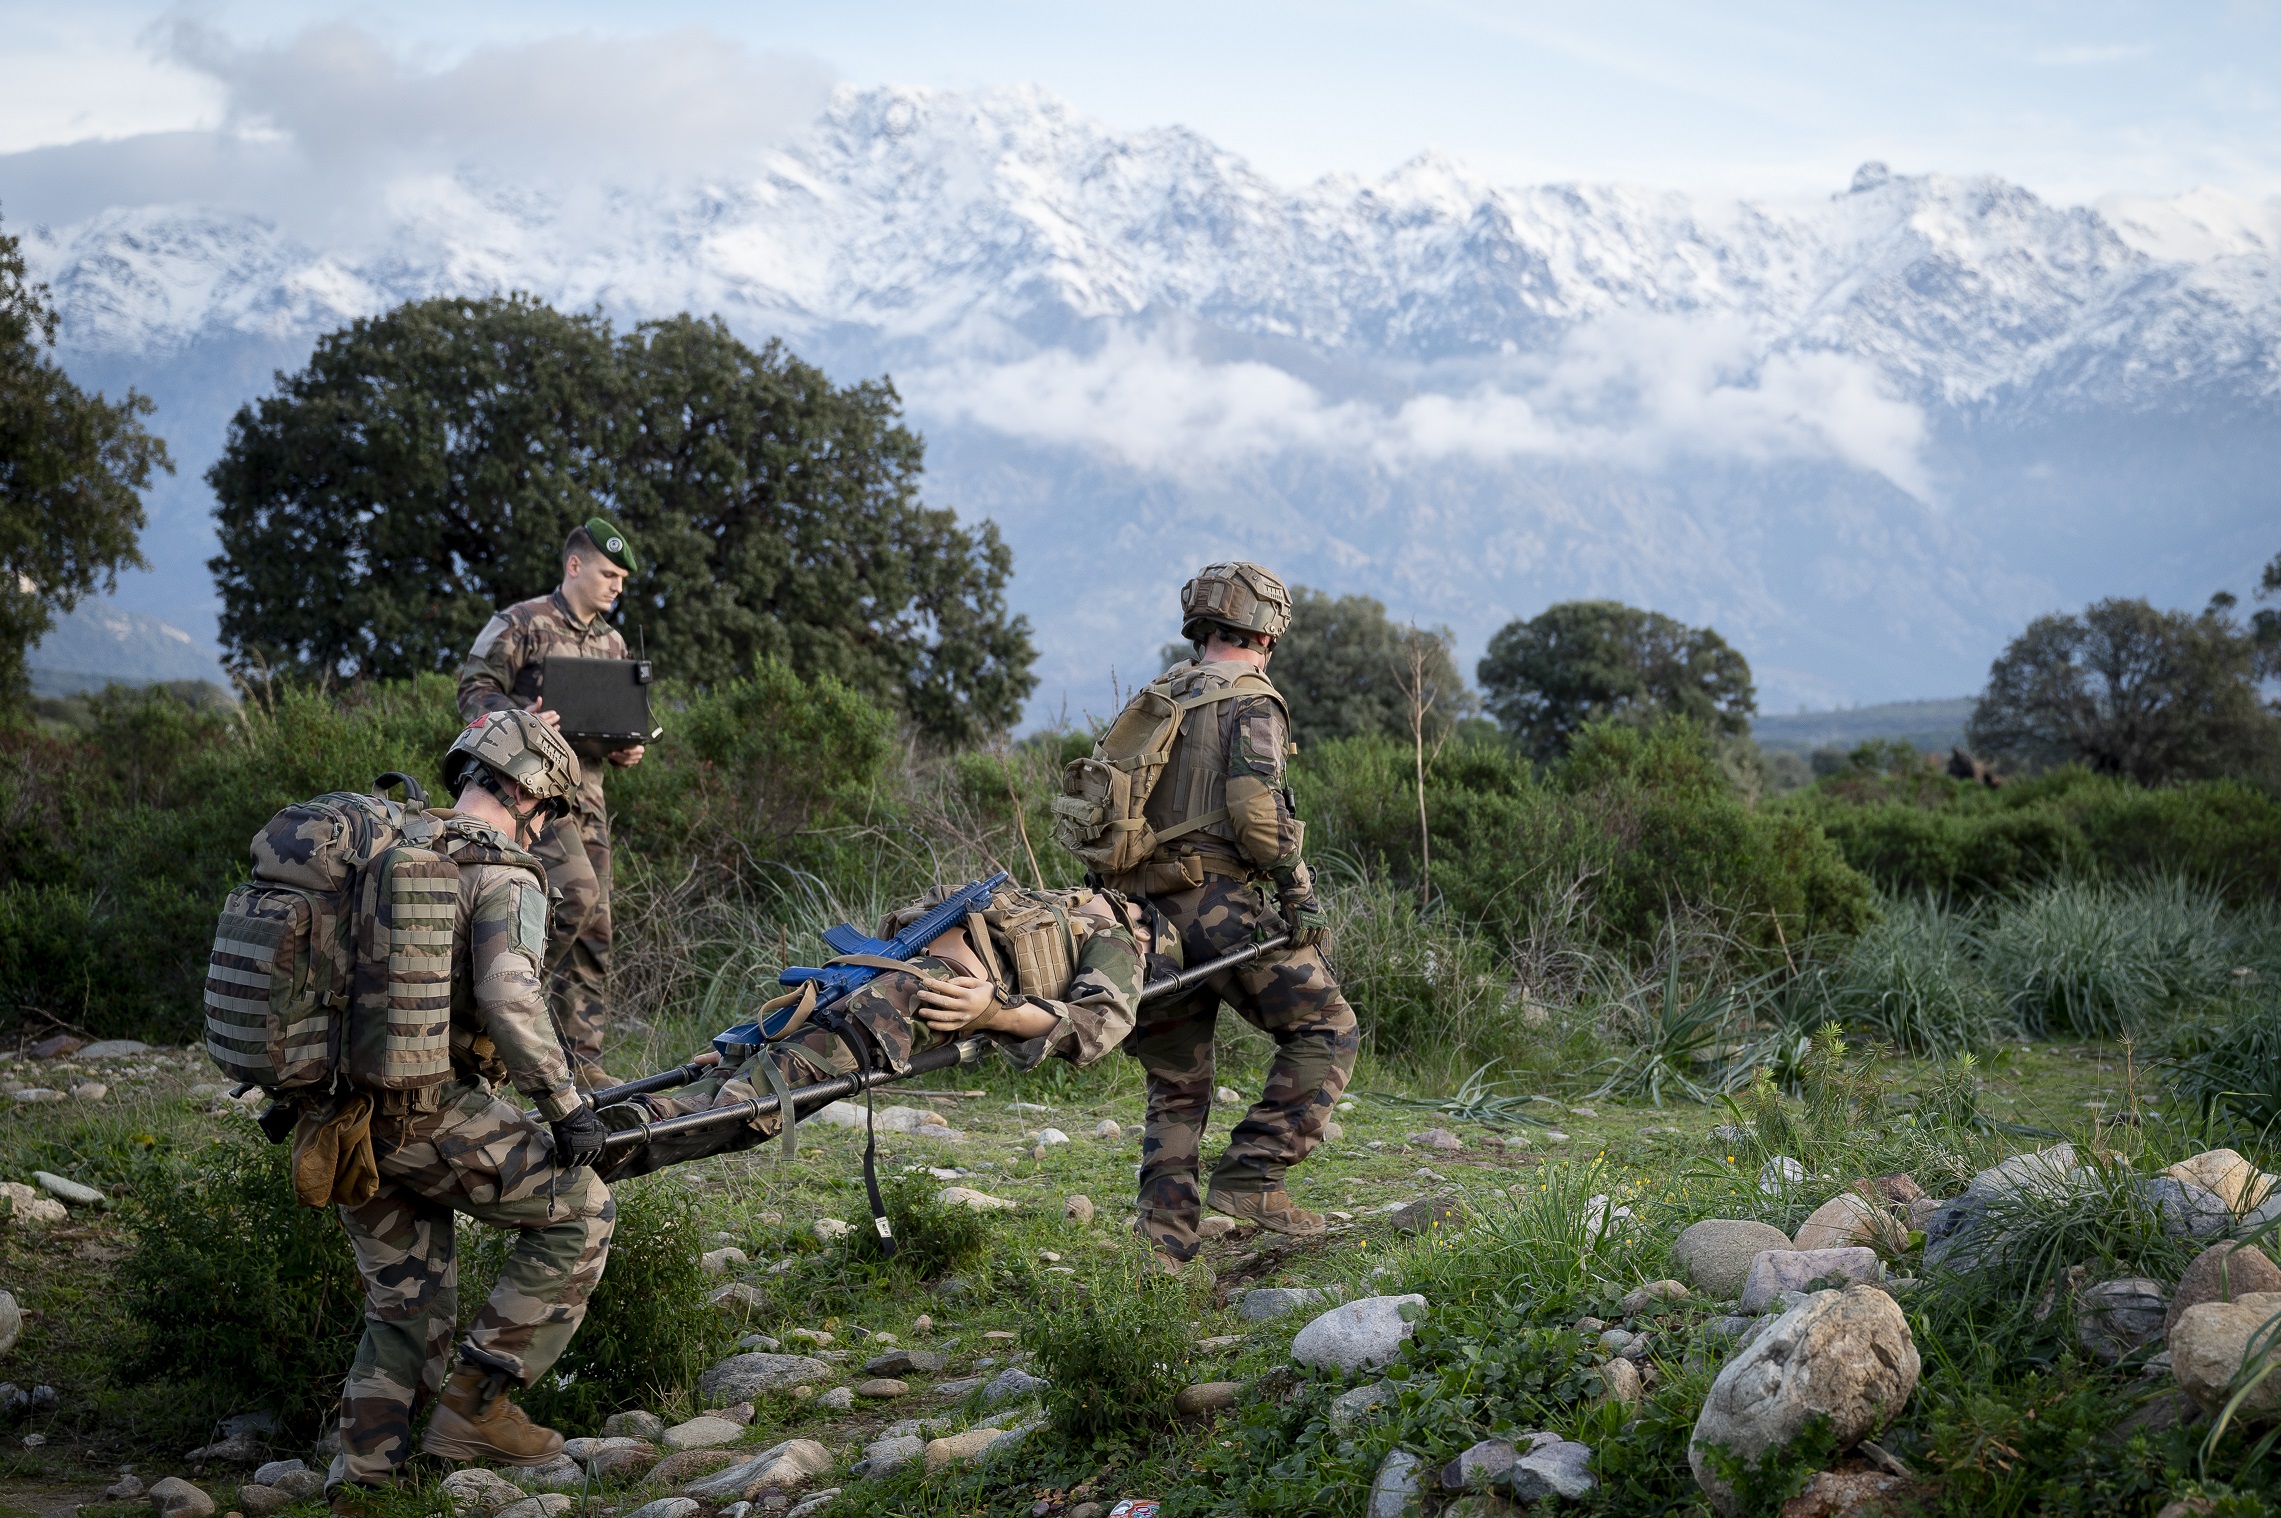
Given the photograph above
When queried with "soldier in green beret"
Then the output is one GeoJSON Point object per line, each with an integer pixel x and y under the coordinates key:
{"type": "Point", "coordinates": [506, 668]}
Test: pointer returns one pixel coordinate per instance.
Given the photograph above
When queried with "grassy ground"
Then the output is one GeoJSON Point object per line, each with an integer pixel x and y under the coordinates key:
{"type": "Point", "coordinates": [77, 1337]}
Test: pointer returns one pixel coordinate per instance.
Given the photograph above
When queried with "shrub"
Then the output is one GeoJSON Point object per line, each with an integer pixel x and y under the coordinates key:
{"type": "Point", "coordinates": [239, 1286]}
{"type": "Point", "coordinates": [2104, 959]}
{"type": "Point", "coordinates": [1117, 1354]}
{"type": "Point", "coordinates": [1913, 978]}
{"type": "Point", "coordinates": [2227, 1063]}
{"type": "Point", "coordinates": [931, 1239]}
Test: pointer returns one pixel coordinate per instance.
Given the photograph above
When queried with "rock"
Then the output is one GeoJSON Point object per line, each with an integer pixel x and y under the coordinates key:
{"type": "Point", "coordinates": [300, 1485]}
{"type": "Point", "coordinates": [2159, 1414]}
{"type": "Point", "coordinates": [1394, 1494]}
{"type": "Point", "coordinates": [11, 1322]}
{"type": "Point", "coordinates": [1842, 1355]}
{"type": "Point", "coordinates": [903, 1362]}
{"type": "Point", "coordinates": [688, 1465]}
{"type": "Point", "coordinates": [1078, 1208]}
{"type": "Point", "coordinates": [2206, 1347]}
{"type": "Point", "coordinates": [614, 1459]}
{"type": "Point", "coordinates": [258, 1501]}
{"type": "Point", "coordinates": [633, 1425]}
{"type": "Point", "coordinates": [1207, 1397]}
{"type": "Point", "coordinates": [114, 1048]}
{"type": "Point", "coordinates": [2221, 1273]}
{"type": "Point", "coordinates": [268, 1474]}
{"type": "Point", "coordinates": [980, 1201]}
{"type": "Point", "coordinates": [1356, 1335]}
{"type": "Point", "coordinates": [30, 1208]}
{"type": "Point", "coordinates": [790, 1464]}
{"type": "Point", "coordinates": [719, 1262]}
{"type": "Point", "coordinates": [1898, 1188]}
{"type": "Point", "coordinates": [1779, 1270]}
{"type": "Point", "coordinates": [838, 1400]}
{"type": "Point", "coordinates": [883, 1388]}
{"type": "Point", "coordinates": [1107, 1129]}
{"type": "Point", "coordinates": [561, 1474]}
{"type": "Point", "coordinates": [473, 1489]}
{"type": "Point", "coordinates": [2049, 1171]}
{"type": "Point", "coordinates": [1485, 1464]}
{"type": "Point", "coordinates": [1011, 1385]}
{"type": "Point", "coordinates": [816, 1336]}
{"type": "Point", "coordinates": [1779, 1174]}
{"type": "Point", "coordinates": [700, 1433]}
{"type": "Point", "coordinates": [759, 1341]}
{"type": "Point", "coordinates": [741, 1413]}
{"type": "Point", "coordinates": [960, 1447]}
{"type": "Point", "coordinates": [1621, 1377]}
{"type": "Point", "coordinates": [1551, 1467]}
{"type": "Point", "coordinates": [2115, 1317]}
{"type": "Point", "coordinates": [1048, 1137]}
{"type": "Point", "coordinates": [65, 1189]}
{"type": "Point", "coordinates": [883, 1456]}
{"type": "Point", "coordinates": [1216, 1227]}
{"type": "Point", "coordinates": [241, 1448]}
{"type": "Point", "coordinates": [544, 1505]}
{"type": "Point", "coordinates": [1264, 1302]}
{"type": "Point", "coordinates": [1427, 1216]}
{"type": "Point", "coordinates": [1227, 1094]}
{"type": "Point", "coordinates": [740, 1377]}
{"type": "Point", "coordinates": [1854, 1494]}
{"type": "Point", "coordinates": [808, 1507]}
{"type": "Point", "coordinates": [2226, 1175]}
{"type": "Point", "coordinates": [738, 1302]}
{"type": "Point", "coordinates": [830, 1230]}
{"type": "Point", "coordinates": [35, 1094]}
{"type": "Point", "coordinates": [958, 1388]}
{"type": "Point", "coordinates": [90, 1091]}
{"type": "Point", "coordinates": [2188, 1211]}
{"type": "Point", "coordinates": [668, 1507]}
{"type": "Point", "coordinates": [922, 1324]}
{"type": "Point", "coordinates": [1349, 1408]}
{"type": "Point", "coordinates": [1438, 1139]}
{"type": "Point", "coordinates": [56, 1046]}
{"type": "Point", "coordinates": [1644, 1299]}
{"type": "Point", "coordinates": [128, 1488]}
{"type": "Point", "coordinates": [1218, 1342]}
{"type": "Point", "coordinates": [174, 1497]}
{"type": "Point", "coordinates": [1846, 1220]}
{"type": "Point", "coordinates": [1333, 1130]}
{"type": "Point", "coordinates": [1715, 1254]}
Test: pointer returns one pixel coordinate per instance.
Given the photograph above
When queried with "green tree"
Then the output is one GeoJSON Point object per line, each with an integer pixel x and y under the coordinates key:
{"type": "Point", "coordinates": [425, 466]}
{"type": "Point", "coordinates": [73, 467]}
{"type": "Point", "coordinates": [2265, 624]}
{"type": "Point", "coordinates": [1584, 661]}
{"type": "Point", "coordinates": [1347, 669]}
{"type": "Point", "coordinates": [2126, 689]}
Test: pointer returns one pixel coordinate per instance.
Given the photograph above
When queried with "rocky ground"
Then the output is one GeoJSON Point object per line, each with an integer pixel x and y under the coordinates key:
{"type": "Point", "coordinates": [872, 1403]}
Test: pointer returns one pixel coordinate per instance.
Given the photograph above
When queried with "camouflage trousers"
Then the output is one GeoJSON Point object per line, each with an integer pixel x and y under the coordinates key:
{"type": "Point", "coordinates": [479, 1155]}
{"type": "Point", "coordinates": [1290, 996]}
{"type": "Point", "coordinates": [576, 853]}
{"type": "Point", "coordinates": [886, 1009]}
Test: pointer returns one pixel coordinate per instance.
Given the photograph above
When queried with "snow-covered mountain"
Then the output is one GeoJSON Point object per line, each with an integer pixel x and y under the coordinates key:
{"type": "Point", "coordinates": [1866, 438]}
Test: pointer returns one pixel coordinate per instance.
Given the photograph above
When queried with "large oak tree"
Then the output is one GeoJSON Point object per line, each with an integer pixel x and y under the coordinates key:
{"type": "Point", "coordinates": [1581, 661]}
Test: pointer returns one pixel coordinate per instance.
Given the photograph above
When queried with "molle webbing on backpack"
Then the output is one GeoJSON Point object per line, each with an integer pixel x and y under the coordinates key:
{"type": "Point", "coordinates": [1101, 815]}
{"type": "Point", "coordinates": [400, 1028]}
{"type": "Point", "coordinates": [268, 1018]}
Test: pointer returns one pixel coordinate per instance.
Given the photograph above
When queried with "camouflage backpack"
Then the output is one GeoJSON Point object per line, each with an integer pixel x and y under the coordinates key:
{"type": "Point", "coordinates": [335, 960]}
{"type": "Point", "coordinates": [1100, 815]}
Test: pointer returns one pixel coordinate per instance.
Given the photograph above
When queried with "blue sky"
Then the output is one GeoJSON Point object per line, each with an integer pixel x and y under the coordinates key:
{"type": "Point", "coordinates": [1768, 98]}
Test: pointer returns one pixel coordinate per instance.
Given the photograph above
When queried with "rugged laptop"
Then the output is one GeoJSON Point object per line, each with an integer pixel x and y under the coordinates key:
{"type": "Point", "coordinates": [600, 700]}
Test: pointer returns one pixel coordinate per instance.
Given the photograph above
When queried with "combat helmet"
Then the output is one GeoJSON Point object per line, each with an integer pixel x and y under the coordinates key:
{"type": "Point", "coordinates": [1238, 595]}
{"type": "Point", "coordinates": [514, 745]}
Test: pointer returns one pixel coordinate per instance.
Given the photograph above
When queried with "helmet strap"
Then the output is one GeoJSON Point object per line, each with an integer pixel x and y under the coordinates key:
{"type": "Point", "coordinates": [503, 791]}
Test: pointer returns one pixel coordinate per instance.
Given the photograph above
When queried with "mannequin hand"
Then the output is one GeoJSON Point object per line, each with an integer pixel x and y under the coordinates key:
{"type": "Point", "coordinates": [957, 1002]}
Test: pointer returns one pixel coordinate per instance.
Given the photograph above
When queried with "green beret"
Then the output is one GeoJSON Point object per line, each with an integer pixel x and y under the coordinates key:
{"type": "Point", "coordinates": [615, 545]}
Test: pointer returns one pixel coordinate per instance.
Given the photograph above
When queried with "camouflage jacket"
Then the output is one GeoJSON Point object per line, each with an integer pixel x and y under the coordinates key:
{"type": "Point", "coordinates": [507, 665]}
{"type": "Point", "coordinates": [1096, 1011]}
{"type": "Point", "coordinates": [1229, 754]}
{"type": "Point", "coordinates": [500, 1025]}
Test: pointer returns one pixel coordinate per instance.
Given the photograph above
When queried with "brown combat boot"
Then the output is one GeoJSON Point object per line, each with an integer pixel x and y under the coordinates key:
{"type": "Point", "coordinates": [1269, 1209]}
{"type": "Point", "coordinates": [473, 1423]}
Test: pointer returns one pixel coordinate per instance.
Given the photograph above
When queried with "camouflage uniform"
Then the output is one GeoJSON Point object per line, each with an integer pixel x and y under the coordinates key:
{"type": "Point", "coordinates": [1210, 886]}
{"type": "Point", "coordinates": [1096, 1013]}
{"type": "Point", "coordinates": [462, 1148]}
{"type": "Point", "coordinates": [505, 668]}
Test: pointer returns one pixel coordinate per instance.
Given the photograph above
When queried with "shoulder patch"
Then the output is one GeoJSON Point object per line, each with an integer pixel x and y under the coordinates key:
{"type": "Point", "coordinates": [530, 922]}
{"type": "Point", "coordinates": [488, 639]}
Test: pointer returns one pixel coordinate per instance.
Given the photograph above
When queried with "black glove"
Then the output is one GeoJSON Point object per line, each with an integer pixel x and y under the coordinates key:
{"type": "Point", "coordinates": [579, 1139]}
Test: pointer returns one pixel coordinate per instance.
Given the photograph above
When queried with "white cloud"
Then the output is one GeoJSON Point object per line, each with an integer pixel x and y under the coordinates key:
{"type": "Point", "coordinates": [1638, 391]}
{"type": "Point", "coordinates": [2088, 55]}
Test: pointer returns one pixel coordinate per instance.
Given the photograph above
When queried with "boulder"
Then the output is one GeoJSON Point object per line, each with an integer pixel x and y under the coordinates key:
{"type": "Point", "coordinates": [473, 1489]}
{"type": "Point", "coordinates": [784, 1466]}
{"type": "Point", "coordinates": [2226, 1175]}
{"type": "Point", "coordinates": [740, 1377]}
{"type": "Point", "coordinates": [1207, 1397]}
{"type": "Point", "coordinates": [1715, 1254]}
{"type": "Point", "coordinates": [1645, 1299]}
{"type": "Point", "coordinates": [1842, 1355]}
{"type": "Point", "coordinates": [1356, 1336]}
{"type": "Point", "coordinates": [1776, 1271]}
{"type": "Point", "coordinates": [1849, 1219]}
{"type": "Point", "coordinates": [176, 1498]}
{"type": "Point", "coordinates": [2115, 1317]}
{"type": "Point", "coordinates": [2206, 1348]}
{"type": "Point", "coordinates": [884, 1456]}
{"type": "Point", "coordinates": [1550, 1466]}
{"type": "Point", "coordinates": [2188, 1211]}
{"type": "Point", "coordinates": [904, 1362]}
{"type": "Point", "coordinates": [688, 1465]}
{"type": "Point", "coordinates": [2221, 1273]}
{"type": "Point", "coordinates": [956, 1448]}
{"type": "Point", "coordinates": [705, 1432]}
{"type": "Point", "coordinates": [1394, 1494]}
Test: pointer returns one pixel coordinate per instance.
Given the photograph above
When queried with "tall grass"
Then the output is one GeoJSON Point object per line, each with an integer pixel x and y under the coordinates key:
{"type": "Point", "coordinates": [1916, 980]}
{"type": "Point", "coordinates": [2103, 959]}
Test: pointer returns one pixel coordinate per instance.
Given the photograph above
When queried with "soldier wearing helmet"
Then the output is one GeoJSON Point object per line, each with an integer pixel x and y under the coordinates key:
{"type": "Point", "coordinates": [1229, 839]}
{"type": "Point", "coordinates": [504, 672]}
{"type": "Point", "coordinates": [463, 1147]}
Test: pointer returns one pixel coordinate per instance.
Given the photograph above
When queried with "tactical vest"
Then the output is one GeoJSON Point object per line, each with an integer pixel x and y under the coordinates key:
{"type": "Point", "coordinates": [1028, 941]}
{"type": "Point", "coordinates": [335, 963]}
